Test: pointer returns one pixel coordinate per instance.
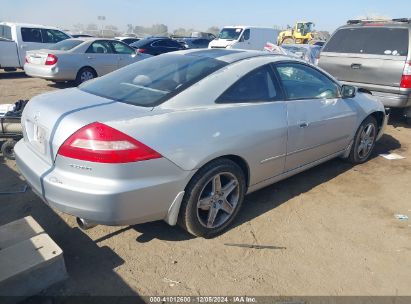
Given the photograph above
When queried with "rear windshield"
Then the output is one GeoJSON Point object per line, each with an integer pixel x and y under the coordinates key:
{"type": "Point", "coordinates": [66, 45]}
{"type": "Point", "coordinates": [152, 81]}
{"type": "Point", "coordinates": [5, 32]}
{"type": "Point", "coordinates": [370, 40]}
{"type": "Point", "coordinates": [230, 33]}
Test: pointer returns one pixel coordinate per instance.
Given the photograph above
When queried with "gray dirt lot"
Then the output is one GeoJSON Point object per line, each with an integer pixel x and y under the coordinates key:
{"type": "Point", "coordinates": [335, 221]}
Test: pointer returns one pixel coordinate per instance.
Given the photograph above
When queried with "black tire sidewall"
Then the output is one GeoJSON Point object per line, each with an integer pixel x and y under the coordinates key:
{"type": "Point", "coordinates": [354, 157]}
{"type": "Point", "coordinates": [8, 149]}
{"type": "Point", "coordinates": [82, 70]}
{"type": "Point", "coordinates": [188, 212]}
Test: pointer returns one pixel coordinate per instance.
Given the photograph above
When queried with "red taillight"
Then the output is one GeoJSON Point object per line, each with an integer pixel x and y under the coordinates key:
{"type": "Point", "coordinates": [100, 143]}
{"type": "Point", "coordinates": [141, 50]}
{"type": "Point", "coordinates": [51, 59]}
{"type": "Point", "coordinates": [27, 59]}
{"type": "Point", "coordinates": [406, 76]}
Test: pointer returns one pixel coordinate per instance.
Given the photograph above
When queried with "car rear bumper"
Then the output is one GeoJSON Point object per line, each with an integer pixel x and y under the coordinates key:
{"type": "Point", "coordinates": [49, 72]}
{"type": "Point", "coordinates": [393, 100]}
{"type": "Point", "coordinates": [100, 200]}
{"type": "Point", "coordinates": [389, 99]}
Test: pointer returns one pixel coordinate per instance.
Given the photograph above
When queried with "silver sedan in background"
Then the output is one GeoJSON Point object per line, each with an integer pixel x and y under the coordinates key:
{"type": "Point", "coordinates": [185, 136]}
{"type": "Point", "coordinates": [80, 59]}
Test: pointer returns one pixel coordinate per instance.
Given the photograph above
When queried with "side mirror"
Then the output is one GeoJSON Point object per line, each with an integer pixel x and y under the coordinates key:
{"type": "Point", "coordinates": [348, 91]}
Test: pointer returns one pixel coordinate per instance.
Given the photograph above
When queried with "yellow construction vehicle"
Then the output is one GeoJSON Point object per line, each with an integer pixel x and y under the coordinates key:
{"type": "Point", "coordinates": [301, 33]}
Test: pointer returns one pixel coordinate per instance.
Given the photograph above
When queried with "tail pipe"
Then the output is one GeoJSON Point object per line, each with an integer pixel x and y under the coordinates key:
{"type": "Point", "coordinates": [85, 224]}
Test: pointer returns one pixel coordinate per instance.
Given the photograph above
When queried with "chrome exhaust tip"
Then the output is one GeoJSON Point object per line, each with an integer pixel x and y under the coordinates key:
{"type": "Point", "coordinates": [85, 224]}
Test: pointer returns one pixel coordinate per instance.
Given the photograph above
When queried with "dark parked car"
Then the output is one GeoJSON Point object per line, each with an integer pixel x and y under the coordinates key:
{"type": "Point", "coordinates": [194, 43]}
{"type": "Point", "coordinates": [156, 46]}
{"type": "Point", "coordinates": [375, 55]}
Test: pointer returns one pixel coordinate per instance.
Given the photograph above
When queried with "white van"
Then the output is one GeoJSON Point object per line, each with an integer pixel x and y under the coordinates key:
{"type": "Point", "coordinates": [17, 38]}
{"type": "Point", "coordinates": [244, 37]}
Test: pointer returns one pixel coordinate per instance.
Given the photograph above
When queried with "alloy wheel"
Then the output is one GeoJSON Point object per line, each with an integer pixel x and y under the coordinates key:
{"type": "Point", "coordinates": [218, 200]}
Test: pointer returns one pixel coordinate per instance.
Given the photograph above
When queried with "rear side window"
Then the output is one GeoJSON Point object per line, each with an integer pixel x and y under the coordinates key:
{"type": "Point", "coordinates": [256, 86]}
{"type": "Point", "coordinates": [53, 36]}
{"type": "Point", "coordinates": [370, 40]}
{"type": "Point", "coordinates": [5, 32]}
{"type": "Point", "coordinates": [99, 47]}
{"type": "Point", "coordinates": [121, 48]}
{"type": "Point", "coordinates": [31, 34]}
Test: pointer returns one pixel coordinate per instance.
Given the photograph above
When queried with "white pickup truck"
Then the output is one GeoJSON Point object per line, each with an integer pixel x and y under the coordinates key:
{"type": "Point", "coordinates": [17, 38]}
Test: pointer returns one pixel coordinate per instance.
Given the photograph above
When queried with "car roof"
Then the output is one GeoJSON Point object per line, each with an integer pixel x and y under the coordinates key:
{"type": "Point", "coordinates": [29, 25]}
{"type": "Point", "coordinates": [126, 37]}
{"type": "Point", "coordinates": [90, 39]}
{"type": "Point", "coordinates": [376, 23]}
{"type": "Point", "coordinates": [225, 55]}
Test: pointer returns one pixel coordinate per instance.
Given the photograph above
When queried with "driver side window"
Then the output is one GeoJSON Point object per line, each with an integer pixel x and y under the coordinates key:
{"type": "Point", "coordinates": [246, 35]}
{"type": "Point", "coordinates": [304, 82]}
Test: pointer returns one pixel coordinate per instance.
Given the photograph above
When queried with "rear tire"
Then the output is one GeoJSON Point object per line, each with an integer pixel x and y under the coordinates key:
{"type": "Point", "coordinates": [8, 149]}
{"type": "Point", "coordinates": [85, 74]}
{"type": "Point", "coordinates": [213, 198]}
{"type": "Point", "coordinates": [364, 141]}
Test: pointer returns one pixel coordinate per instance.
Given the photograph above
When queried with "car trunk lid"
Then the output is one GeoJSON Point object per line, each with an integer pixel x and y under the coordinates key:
{"type": "Point", "coordinates": [39, 57]}
{"type": "Point", "coordinates": [49, 119]}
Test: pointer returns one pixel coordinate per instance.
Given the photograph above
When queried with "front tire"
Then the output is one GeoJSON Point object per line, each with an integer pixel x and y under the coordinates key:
{"type": "Point", "coordinates": [213, 198]}
{"type": "Point", "coordinates": [364, 141]}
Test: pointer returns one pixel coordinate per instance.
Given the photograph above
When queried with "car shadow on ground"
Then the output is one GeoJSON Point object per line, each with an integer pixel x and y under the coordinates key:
{"type": "Point", "coordinates": [397, 119]}
{"type": "Point", "coordinates": [62, 85]}
{"type": "Point", "coordinates": [271, 197]}
{"type": "Point", "coordinates": [161, 230]}
{"type": "Point", "coordinates": [90, 267]}
{"type": "Point", "coordinates": [13, 75]}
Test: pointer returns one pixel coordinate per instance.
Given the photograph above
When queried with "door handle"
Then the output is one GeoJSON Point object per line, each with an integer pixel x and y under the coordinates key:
{"type": "Point", "coordinates": [303, 124]}
{"type": "Point", "coordinates": [90, 57]}
{"type": "Point", "coordinates": [23, 46]}
{"type": "Point", "coordinates": [356, 66]}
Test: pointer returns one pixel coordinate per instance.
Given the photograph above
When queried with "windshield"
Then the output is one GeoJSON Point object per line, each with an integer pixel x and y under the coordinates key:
{"type": "Point", "coordinates": [305, 27]}
{"type": "Point", "coordinates": [152, 81]}
{"type": "Point", "coordinates": [230, 33]}
{"type": "Point", "coordinates": [66, 45]}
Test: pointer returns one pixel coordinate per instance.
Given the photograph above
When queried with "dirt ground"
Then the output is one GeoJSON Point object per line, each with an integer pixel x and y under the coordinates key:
{"type": "Point", "coordinates": [336, 223]}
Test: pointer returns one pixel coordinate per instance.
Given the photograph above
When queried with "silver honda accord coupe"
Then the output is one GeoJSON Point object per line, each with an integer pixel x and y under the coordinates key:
{"type": "Point", "coordinates": [184, 136]}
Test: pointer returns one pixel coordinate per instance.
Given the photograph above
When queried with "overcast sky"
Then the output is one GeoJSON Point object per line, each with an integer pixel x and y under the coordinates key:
{"type": "Point", "coordinates": [198, 14]}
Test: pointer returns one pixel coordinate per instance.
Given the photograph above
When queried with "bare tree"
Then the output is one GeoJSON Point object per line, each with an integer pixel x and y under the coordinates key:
{"type": "Point", "coordinates": [159, 30]}
{"type": "Point", "coordinates": [214, 30]}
